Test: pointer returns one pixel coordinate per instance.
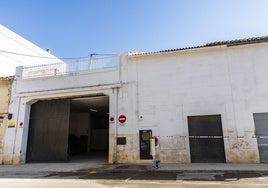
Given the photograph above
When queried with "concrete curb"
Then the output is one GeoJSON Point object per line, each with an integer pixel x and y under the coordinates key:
{"type": "Point", "coordinates": [124, 168]}
{"type": "Point", "coordinates": [121, 168]}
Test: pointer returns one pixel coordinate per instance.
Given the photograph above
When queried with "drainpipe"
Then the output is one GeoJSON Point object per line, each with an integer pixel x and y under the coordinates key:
{"type": "Point", "coordinates": [116, 109]}
{"type": "Point", "coordinates": [116, 125]}
{"type": "Point", "coordinates": [16, 130]}
{"type": "Point", "coordinates": [18, 75]}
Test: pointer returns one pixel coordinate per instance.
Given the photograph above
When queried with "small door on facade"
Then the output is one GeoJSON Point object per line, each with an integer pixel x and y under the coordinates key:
{"type": "Point", "coordinates": [145, 136]}
{"type": "Point", "coordinates": [261, 130]}
{"type": "Point", "coordinates": [48, 131]}
{"type": "Point", "coordinates": [206, 149]}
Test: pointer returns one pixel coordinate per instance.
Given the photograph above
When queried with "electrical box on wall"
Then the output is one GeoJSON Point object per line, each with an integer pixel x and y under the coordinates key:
{"type": "Point", "coordinates": [9, 116]}
{"type": "Point", "coordinates": [121, 141]}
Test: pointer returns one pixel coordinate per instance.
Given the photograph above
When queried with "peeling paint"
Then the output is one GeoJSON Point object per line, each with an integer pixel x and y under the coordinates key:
{"type": "Point", "coordinates": [16, 160]}
{"type": "Point", "coordinates": [7, 159]}
{"type": "Point", "coordinates": [240, 144]}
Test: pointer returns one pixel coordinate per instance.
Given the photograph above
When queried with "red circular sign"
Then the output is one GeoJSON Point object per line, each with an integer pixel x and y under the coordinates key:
{"type": "Point", "coordinates": [112, 119]}
{"type": "Point", "coordinates": [122, 119]}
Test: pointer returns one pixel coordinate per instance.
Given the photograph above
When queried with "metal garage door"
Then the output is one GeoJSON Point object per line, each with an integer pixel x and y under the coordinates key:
{"type": "Point", "coordinates": [206, 149]}
{"type": "Point", "coordinates": [48, 131]}
{"type": "Point", "coordinates": [261, 130]}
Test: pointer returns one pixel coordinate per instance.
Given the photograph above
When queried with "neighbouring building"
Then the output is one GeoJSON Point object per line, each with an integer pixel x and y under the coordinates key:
{"type": "Point", "coordinates": [5, 91]}
{"type": "Point", "coordinates": [17, 51]}
{"type": "Point", "coordinates": [204, 104]}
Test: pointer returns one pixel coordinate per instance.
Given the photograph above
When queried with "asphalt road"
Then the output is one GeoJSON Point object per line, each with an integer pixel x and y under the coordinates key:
{"type": "Point", "coordinates": [118, 178]}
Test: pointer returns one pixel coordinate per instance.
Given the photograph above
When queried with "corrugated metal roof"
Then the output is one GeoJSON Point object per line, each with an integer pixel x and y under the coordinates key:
{"type": "Point", "coordinates": [240, 41]}
{"type": "Point", "coordinates": [7, 78]}
{"type": "Point", "coordinates": [228, 43]}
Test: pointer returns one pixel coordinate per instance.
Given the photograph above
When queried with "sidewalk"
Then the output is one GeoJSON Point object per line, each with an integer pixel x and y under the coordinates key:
{"type": "Point", "coordinates": [36, 168]}
{"type": "Point", "coordinates": [212, 167]}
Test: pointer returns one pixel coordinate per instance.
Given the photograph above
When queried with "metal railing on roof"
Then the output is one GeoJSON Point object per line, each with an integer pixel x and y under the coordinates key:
{"type": "Point", "coordinates": [74, 67]}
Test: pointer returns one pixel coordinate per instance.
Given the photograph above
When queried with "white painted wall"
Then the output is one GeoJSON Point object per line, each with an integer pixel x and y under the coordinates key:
{"type": "Point", "coordinates": [158, 92]}
{"type": "Point", "coordinates": [218, 80]}
{"type": "Point", "coordinates": [12, 45]}
{"type": "Point", "coordinates": [27, 91]}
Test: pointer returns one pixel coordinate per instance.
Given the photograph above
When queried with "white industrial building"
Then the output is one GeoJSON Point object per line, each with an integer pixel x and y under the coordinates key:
{"type": "Point", "coordinates": [205, 104]}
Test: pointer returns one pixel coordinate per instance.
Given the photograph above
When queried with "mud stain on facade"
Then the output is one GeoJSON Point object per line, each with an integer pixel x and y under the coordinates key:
{"type": "Point", "coordinates": [5, 92]}
{"type": "Point", "coordinates": [7, 160]}
{"type": "Point", "coordinates": [240, 144]}
{"type": "Point", "coordinates": [16, 160]}
{"type": "Point", "coordinates": [166, 151]}
{"type": "Point", "coordinates": [242, 156]}
{"type": "Point", "coordinates": [128, 153]}
{"type": "Point", "coordinates": [111, 149]}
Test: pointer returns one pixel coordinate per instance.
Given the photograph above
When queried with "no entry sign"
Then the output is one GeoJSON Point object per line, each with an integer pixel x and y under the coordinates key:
{"type": "Point", "coordinates": [122, 119]}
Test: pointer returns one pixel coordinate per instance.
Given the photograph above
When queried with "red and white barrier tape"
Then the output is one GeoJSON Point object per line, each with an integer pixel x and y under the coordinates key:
{"type": "Point", "coordinates": [213, 137]}
{"type": "Point", "coordinates": [197, 137]}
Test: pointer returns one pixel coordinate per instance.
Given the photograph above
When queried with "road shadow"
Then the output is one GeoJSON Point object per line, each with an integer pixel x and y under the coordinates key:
{"type": "Point", "coordinates": [160, 176]}
{"type": "Point", "coordinates": [135, 172]}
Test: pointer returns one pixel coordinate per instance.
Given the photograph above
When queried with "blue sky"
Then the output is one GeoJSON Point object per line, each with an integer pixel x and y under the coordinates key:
{"type": "Point", "coordinates": [76, 28]}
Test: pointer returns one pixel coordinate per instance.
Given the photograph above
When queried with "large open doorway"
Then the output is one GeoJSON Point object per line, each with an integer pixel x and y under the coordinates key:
{"type": "Point", "coordinates": [89, 128]}
{"type": "Point", "coordinates": [69, 129]}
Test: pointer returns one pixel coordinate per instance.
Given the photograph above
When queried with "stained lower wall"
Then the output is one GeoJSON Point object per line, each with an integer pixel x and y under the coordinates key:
{"type": "Point", "coordinates": [5, 86]}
